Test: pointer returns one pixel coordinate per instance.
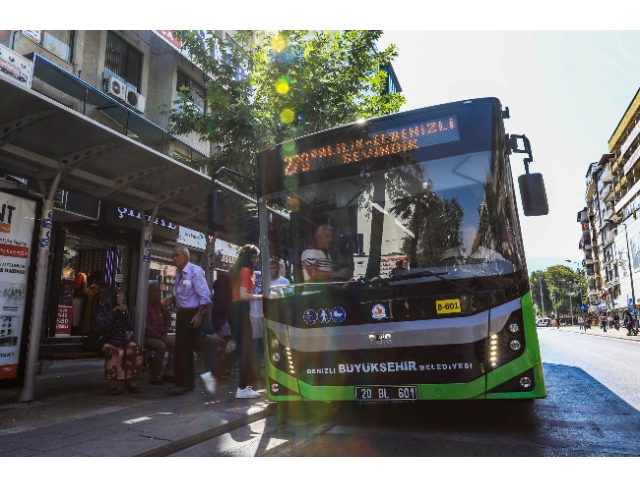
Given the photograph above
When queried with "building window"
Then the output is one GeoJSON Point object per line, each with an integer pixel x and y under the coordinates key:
{"type": "Point", "coordinates": [123, 62]}
{"type": "Point", "coordinates": [197, 92]}
{"type": "Point", "coordinates": [59, 42]}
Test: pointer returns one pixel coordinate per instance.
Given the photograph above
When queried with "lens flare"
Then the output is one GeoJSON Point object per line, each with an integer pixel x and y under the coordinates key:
{"type": "Point", "coordinates": [287, 115]}
{"type": "Point", "coordinates": [288, 148]}
{"type": "Point", "coordinates": [282, 85]}
{"type": "Point", "coordinates": [278, 43]}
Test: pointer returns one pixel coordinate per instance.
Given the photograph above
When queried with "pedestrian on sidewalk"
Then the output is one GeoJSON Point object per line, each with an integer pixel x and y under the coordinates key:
{"type": "Point", "coordinates": [156, 338]}
{"type": "Point", "coordinates": [630, 322]}
{"type": "Point", "coordinates": [580, 323]}
{"type": "Point", "coordinates": [114, 322]}
{"type": "Point", "coordinates": [242, 284]}
{"type": "Point", "coordinates": [209, 349]}
{"type": "Point", "coordinates": [191, 301]}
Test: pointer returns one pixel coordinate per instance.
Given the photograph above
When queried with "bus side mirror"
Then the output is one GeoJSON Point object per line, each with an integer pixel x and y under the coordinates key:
{"type": "Point", "coordinates": [533, 195]}
{"type": "Point", "coordinates": [216, 211]}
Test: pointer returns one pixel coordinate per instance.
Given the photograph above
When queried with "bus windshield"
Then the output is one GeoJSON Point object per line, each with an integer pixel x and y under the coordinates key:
{"type": "Point", "coordinates": [403, 216]}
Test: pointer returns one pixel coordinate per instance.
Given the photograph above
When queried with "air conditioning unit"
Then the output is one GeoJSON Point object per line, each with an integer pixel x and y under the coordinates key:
{"type": "Point", "coordinates": [135, 100]}
{"type": "Point", "coordinates": [114, 87]}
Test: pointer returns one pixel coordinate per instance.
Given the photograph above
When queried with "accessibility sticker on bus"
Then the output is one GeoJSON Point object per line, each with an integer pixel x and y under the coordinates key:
{"type": "Point", "coordinates": [448, 306]}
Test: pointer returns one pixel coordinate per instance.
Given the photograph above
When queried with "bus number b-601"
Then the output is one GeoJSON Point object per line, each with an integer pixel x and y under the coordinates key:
{"type": "Point", "coordinates": [448, 306]}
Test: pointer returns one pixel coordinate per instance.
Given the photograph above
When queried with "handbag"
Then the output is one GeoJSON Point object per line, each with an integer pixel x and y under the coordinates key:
{"type": "Point", "coordinates": [94, 341]}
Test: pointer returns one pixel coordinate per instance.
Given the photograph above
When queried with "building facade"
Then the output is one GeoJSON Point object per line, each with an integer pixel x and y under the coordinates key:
{"type": "Point", "coordinates": [613, 201]}
{"type": "Point", "coordinates": [114, 80]}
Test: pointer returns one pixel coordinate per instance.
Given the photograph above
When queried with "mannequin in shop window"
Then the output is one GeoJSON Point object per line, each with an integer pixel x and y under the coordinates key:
{"type": "Point", "coordinates": [92, 297]}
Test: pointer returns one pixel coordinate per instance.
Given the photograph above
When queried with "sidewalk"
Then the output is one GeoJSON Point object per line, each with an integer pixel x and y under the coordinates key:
{"type": "Point", "coordinates": [620, 334]}
{"type": "Point", "coordinates": [72, 415]}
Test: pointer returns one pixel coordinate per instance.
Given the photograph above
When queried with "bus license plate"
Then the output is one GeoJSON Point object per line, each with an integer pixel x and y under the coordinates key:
{"type": "Point", "coordinates": [387, 393]}
{"type": "Point", "coordinates": [448, 306]}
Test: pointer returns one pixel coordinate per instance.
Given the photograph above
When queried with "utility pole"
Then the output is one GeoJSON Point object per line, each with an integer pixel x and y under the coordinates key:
{"type": "Point", "coordinates": [571, 307]}
{"type": "Point", "coordinates": [541, 297]}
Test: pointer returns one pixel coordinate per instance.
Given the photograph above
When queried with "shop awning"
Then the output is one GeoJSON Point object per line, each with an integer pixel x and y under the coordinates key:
{"type": "Point", "coordinates": [40, 137]}
{"type": "Point", "coordinates": [242, 226]}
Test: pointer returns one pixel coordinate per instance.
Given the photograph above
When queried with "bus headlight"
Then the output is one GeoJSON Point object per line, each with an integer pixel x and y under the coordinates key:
{"type": "Point", "coordinates": [275, 387]}
{"type": "Point", "coordinates": [513, 328]}
{"type": "Point", "coordinates": [515, 345]}
{"type": "Point", "coordinates": [275, 343]}
{"type": "Point", "coordinates": [275, 357]}
{"type": "Point", "coordinates": [525, 382]}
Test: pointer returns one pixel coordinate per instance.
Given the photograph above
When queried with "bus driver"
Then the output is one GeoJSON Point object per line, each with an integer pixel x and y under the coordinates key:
{"type": "Point", "coordinates": [316, 261]}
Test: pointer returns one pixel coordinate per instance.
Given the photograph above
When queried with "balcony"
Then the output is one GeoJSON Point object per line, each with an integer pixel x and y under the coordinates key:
{"type": "Point", "coordinates": [605, 192]}
{"type": "Point", "coordinates": [615, 166]}
{"type": "Point", "coordinates": [609, 239]}
{"type": "Point", "coordinates": [608, 214]}
{"type": "Point", "coordinates": [591, 187]}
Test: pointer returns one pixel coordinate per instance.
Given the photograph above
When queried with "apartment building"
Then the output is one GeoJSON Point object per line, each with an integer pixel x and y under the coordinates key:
{"type": "Point", "coordinates": [613, 201]}
{"type": "Point", "coordinates": [82, 143]}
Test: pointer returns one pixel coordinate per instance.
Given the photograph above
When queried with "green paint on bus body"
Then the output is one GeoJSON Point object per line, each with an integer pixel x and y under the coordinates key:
{"type": "Point", "coordinates": [475, 389]}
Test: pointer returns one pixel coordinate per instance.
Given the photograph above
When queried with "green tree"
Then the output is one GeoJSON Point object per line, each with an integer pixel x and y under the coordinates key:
{"type": "Point", "coordinates": [557, 282]}
{"type": "Point", "coordinates": [294, 83]}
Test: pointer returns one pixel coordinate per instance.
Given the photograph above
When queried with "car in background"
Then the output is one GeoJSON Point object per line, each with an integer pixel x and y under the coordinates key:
{"type": "Point", "coordinates": [543, 322]}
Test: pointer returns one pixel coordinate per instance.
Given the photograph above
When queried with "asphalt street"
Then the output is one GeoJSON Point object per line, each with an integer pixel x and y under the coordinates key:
{"type": "Point", "coordinates": [591, 410]}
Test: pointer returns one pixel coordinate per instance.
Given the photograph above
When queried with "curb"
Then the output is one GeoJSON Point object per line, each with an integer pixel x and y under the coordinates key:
{"type": "Point", "coordinates": [188, 441]}
{"type": "Point", "coordinates": [580, 332]}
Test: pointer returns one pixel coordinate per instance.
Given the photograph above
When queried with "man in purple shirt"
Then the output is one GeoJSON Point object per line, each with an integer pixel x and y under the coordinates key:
{"type": "Point", "coordinates": [191, 299]}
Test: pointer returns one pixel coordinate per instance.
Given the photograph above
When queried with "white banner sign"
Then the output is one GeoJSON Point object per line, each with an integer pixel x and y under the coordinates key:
{"type": "Point", "coordinates": [15, 66]}
{"type": "Point", "coordinates": [191, 238]}
{"type": "Point", "coordinates": [17, 217]}
{"type": "Point", "coordinates": [632, 159]}
{"type": "Point", "coordinates": [630, 139]}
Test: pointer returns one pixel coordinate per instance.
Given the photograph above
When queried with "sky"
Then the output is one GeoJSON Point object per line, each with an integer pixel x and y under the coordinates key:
{"type": "Point", "coordinates": [566, 90]}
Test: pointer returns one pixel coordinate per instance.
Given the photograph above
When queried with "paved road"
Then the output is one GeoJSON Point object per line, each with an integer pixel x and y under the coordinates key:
{"type": "Point", "coordinates": [591, 410]}
{"type": "Point", "coordinates": [612, 362]}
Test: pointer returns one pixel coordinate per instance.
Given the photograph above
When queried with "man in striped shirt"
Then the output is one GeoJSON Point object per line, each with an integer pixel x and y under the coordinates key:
{"type": "Point", "coordinates": [316, 262]}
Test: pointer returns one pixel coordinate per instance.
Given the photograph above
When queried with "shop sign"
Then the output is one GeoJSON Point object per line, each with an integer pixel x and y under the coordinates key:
{"type": "Point", "coordinates": [634, 205]}
{"type": "Point", "coordinates": [130, 218]}
{"type": "Point", "coordinates": [15, 66]}
{"type": "Point", "coordinates": [191, 238]}
{"type": "Point", "coordinates": [64, 320]}
{"type": "Point", "coordinates": [126, 212]}
{"type": "Point", "coordinates": [34, 35]}
{"type": "Point", "coordinates": [17, 222]}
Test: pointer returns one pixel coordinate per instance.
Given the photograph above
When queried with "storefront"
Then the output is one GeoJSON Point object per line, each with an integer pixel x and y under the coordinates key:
{"type": "Point", "coordinates": [59, 148]}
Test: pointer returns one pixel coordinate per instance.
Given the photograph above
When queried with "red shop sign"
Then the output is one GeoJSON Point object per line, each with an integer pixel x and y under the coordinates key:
{"type": "Point", "coordinates": [63, 321]}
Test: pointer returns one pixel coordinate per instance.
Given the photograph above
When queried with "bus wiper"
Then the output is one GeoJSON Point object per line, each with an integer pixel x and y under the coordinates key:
{"type": "Point", "coordinates": [439, 275]}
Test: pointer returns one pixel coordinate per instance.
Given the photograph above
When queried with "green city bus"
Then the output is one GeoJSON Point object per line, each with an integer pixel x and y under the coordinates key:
{"type": "Point", "coordinates": [401, 242]}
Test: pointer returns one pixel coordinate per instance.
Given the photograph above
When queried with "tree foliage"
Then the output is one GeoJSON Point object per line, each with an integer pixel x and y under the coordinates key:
{"type": "Point", "coordinates": [557, 282]}
{"type": "Point", "coordinates": [268, 87]}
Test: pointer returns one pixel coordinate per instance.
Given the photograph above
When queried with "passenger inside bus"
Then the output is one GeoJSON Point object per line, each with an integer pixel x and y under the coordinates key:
{"type": "Point", "coordinates": [317, 264]}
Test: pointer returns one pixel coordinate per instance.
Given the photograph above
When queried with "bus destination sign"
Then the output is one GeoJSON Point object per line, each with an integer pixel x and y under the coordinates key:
{"type": "Point", "coordinates": [378, 144]}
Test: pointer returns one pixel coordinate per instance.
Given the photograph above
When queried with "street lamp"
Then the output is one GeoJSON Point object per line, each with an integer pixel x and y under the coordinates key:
{"type": "Point", "coordinates": [578, 271]}
{"type": "Point", "coordinates": [626, 238]}
{"type": "Point", "coordinates": [541, 297]}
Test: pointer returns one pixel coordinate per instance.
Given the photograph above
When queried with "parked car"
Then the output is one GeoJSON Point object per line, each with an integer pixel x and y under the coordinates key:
{"type": "Point", "coordinates": [543, 322]}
